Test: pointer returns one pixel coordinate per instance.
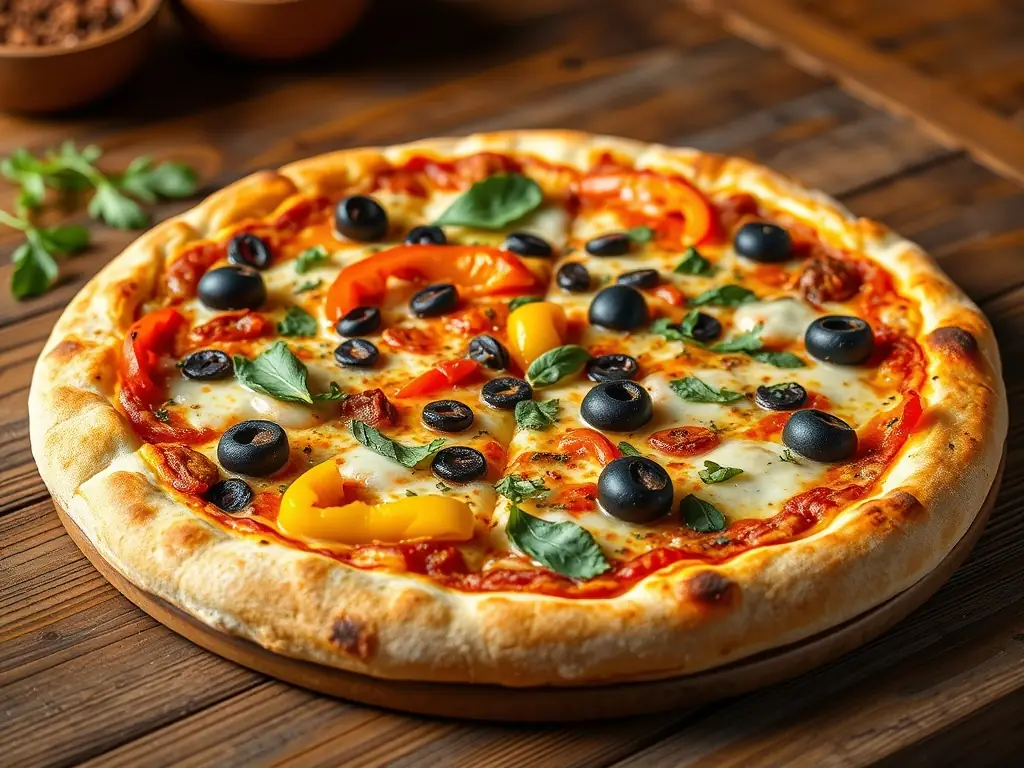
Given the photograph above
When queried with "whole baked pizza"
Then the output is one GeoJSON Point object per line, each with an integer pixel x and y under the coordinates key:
{"type": "Point", "coordinates": [525, 408]}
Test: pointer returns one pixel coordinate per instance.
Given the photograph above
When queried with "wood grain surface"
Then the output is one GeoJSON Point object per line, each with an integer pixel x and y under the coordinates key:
{"type": "Point", "coordinates": [87, 678]}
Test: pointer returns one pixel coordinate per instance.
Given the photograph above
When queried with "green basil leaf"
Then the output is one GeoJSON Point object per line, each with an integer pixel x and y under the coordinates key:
{"type": "Point", "coordinates": [664, 327]}
{"type": "Point", "coordinates": [694, 264]}
{"type": "Point", "coordinates": [34, 271]}
{"type": "Point", "coordinates": [788, 457]}
{"type": "Point", "coordinates": [696, 391]}
{"type": "Point", "coordinates": [297, 322]}
{"type": "Point", "coordinates": [628, 450]}
{"type": "Point", "coordinates": [517, 488]}
{"type": "Point", "coordinates": [640, 235]}
{"type": "Point", "coordinates": [689, 323]}
{"type": "Point", "coordinates": [748, 342]}
{"type": "Point", "coordinates": [724, 296]}
{"type": "Point", "coordinates": [519, 301]}
{"type": "Point", "coordinates": [70, 239]}
{"type": "Point", "coordinates": [311, 258]}
{"type": "Point", "coordinates": [308, 285]}
{"type": "Point", "coordinates": [716, 473]}
{"type": "Point", "coordinates": [494, 202]}
{"type": "Point", "coordinates": [113, 208]}
{"type": "Point", "coordinates": [406, 455]}
{"type": "Point", "coordinates": [531, 414]}
{"type": "Point", "coordinates": [565, 547]}
{"type": "Point", "coordinates": [702, 516]}
{"type": "Point", "coordinates": [555, 364]}
{"type": "Point", "coordinates": [334, 393]}
{"type": "Point", "coordinates": [779, 359]}
{"type": "Point", "coordinates": [276, 372]}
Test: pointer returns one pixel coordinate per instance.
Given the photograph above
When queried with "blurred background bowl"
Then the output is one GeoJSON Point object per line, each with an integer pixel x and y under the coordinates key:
{"type": "Point", "coordinates": [269, 29]}
{"type": "Point", "coordinates": [55, 78]}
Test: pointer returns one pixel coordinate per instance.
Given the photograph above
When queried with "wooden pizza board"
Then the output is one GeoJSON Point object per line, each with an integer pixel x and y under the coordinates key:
{"type": "Point", "coordinates": [552, 704]}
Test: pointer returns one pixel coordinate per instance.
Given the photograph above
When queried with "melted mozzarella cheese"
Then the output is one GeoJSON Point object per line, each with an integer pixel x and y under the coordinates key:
{"type": "Point", "coordinates": [766, 484]}
{"type": "Point", "coordinates": [671, 410]}
{"type": "Point", "coordinates": [550, 223]}
{"type": "Point", "coordinates": [219, 404]}
{"type": "Point", "coordinates": [390, 480]}
{"type": "Point", "coordinates": [784, 321]}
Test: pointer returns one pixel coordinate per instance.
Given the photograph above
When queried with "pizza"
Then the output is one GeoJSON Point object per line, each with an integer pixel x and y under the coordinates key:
{"type": "Point", "coordinates": [524, 408]}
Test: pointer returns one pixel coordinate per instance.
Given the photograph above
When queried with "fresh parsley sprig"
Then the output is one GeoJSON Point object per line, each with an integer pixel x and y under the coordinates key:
{"type": "Point", "coordinates": [35, 268]}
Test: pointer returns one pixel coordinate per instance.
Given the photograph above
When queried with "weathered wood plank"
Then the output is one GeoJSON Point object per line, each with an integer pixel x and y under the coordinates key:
{"type": "Point", "coordinates": [937, 107]}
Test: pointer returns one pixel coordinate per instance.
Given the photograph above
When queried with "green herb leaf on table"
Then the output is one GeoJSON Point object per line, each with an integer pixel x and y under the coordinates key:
{"type": "Point", "coordinates": [406, 455]}
{"type": "Point", "coordinates": [35, 268]}
{"type": "Point", "coordinates": [694, 264]}
{"type": "Point", "coordinates": [149, 182]}
{"type": "Point", "coordinates": [517, 488]}
{"type": "Point", "coordinates": [640, 235]}
{"type": "Point", "coordinates": [555, 364]}
{"type": "Point", "coordinates": [566, 548]}
{"type": "Point", "coordinates": [628, 450]}
{"type": "Point", "coordinates": [724, 296]}
{"type": "Point", "coordinates": [308, 285]}
{"type": "Point", "coordinates": [297, 322]}
{"type": "Point", "coordinates": [113, 208]}
{"type": "Point", "coordinates": [696, 391]}
{"type": "Point", "coordinates": [702, 516]}
{"type": "Point", "coordinates": [494, 202]}
{"type": "Point", "coordinates": [310, 258]}
{"type": "Point", "coordinates": [519, 301]}
{"type": "Point", "coordinates": [279, 373]}
{"type": "Point", "coordinates": [716, 473]}
{"type": "Point", "coordinates": [536, 415]}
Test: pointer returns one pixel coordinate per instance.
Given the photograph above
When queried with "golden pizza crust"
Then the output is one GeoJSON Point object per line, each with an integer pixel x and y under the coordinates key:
{"type": "Point", "coordinates": [682, 619]}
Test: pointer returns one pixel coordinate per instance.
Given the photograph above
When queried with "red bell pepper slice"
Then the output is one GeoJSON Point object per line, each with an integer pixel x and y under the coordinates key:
{"type": "Point", "coordinates": [442, 376]}
{"type": "Point", "coordinates": [141, 390]}
{"type": "Point", "coordinates": [476, 271]}
{"type": "Point", "coordinates": [588, 442]}
{"type": "Point", "coordinates": [673, 195]}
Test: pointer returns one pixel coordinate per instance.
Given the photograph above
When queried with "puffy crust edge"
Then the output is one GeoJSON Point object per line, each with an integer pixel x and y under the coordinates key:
{"type": "Point", "coordinates": [681, 620]}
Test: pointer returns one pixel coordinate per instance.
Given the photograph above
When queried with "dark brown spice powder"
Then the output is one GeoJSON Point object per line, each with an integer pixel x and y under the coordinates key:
{"type": "Point", "coordinates": [64, 23]}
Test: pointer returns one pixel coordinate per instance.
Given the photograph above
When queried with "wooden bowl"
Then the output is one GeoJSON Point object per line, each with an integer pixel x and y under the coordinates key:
{"type": "Point", "coordinates": [52, 78]}
{"type": "Point", "coordinates": [271, 30]}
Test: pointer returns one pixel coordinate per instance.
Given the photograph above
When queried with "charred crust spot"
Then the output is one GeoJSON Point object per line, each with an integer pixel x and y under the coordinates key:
{"type": "Point", "coordinates": [954, 342]}
{"type": "Point", "coordinates": [138, 513]}
{"type": "Point", "coordinates": [711, 589]}
{"type": "Point", "coordinates": [66, 350]}
{"type": "Point", "coordinates": [899, 505]}
{"type": "Point", "coordinates": [353, 637]}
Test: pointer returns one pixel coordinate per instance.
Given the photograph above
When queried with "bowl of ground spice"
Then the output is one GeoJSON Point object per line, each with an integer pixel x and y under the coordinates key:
{"type": "Point", "coordinates": [59, 54]}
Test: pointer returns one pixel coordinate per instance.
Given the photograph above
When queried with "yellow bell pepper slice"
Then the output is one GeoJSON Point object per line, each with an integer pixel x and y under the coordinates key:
{"type": "Point", "coordinates": [533, 329]}
{"type": "Point", "coordinates": [314, 507]}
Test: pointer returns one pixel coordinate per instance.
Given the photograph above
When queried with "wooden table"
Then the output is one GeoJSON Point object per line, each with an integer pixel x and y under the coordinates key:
{"type": "Point", "coordinates": [84, 676]}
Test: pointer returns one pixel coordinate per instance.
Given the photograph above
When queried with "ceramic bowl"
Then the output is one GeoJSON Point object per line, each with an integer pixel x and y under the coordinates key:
{"type": "Point", "coordinates": [269, 29]}
{"type": "Point", "coordinates": [51, 78]}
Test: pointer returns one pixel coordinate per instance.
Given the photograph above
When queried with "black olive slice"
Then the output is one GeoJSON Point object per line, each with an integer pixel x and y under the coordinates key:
{"type": "Point", "coordinates": [232, 287]}
{"type": "Point", "coordinates": [819, 436]}
{"type": "Point", "coordinates": [527, 244]}
{"type": "Point", "coordinates": [249, 250]}
{"type": "Point", "coordinates": [426, 236]}
{"type": "Point", "coordinates": [356, 353]}
{"type": "Point", "coordinates": [361, 218]}
{"type": "Point", "coordinates": [207, 365]}
{"type": "Point", "coordinates": [448, 416]}
{"type": "Point", "coordinates": [230, 495]}
{"type": "Point", "coordinates": [617, 406]}
{"type": "Point", "coordinates": [787, 396]}
{"type": "Point", "coordinates": [615, 244]}
{"type": "Point", "coordinates": [503, 393]}
{"type": "Point", "coordinates": [435, 300]}
{"type": "Point", "coordinates": [619, 307]}
{"type": "Point", "coordinates": [489, 352]}
{"type": "Point", "coordinates": [635, 489]}
{"type": "Point", "coordinates": [459, 464]}
{"type": "Point", "coordinates": [840, 339]}
{"type": "Point", "coordinates": [612, 368]}
{"type": "Point", "coordinates": [573, 277]}
{"type": "Point", "coordinates": [359, 322]}
{"type": "Point", "coordinates": [761, 241]}
{"type": "Point", "coordinates": [257, 448]}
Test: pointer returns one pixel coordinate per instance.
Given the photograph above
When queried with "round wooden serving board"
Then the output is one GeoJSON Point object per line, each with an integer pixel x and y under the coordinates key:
{"type": "Point", "coordinates": [552, 704]}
